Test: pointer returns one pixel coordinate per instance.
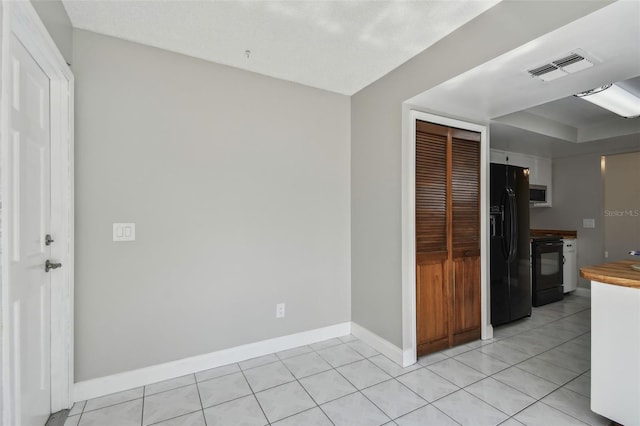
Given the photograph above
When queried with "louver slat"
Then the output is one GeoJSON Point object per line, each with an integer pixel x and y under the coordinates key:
{"type": "Point", "coordinates": [431, 190]}
{"type": "Point", "coordinates": [465, 193]}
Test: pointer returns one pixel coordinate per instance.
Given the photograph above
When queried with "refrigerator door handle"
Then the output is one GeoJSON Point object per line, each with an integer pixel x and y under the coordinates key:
{"type": "Point", "coordinates": [510, 229]}
{"type": "Point", "coordinates": [513, 211]}
{"type": "Point", "coordinates": [506, 230]}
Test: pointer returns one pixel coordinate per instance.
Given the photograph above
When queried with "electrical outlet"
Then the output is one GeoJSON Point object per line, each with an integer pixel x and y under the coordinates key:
{"type": "Point", "coordinates": [280, 310]}
{"type": "Point", "coordinates": [606, 254]}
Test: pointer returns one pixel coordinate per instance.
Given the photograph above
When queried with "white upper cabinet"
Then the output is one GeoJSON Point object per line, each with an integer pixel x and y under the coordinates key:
{"type": "Point", "coordinates": [498, 157]}
{"type": "Point", "coordinates": [539, 170]}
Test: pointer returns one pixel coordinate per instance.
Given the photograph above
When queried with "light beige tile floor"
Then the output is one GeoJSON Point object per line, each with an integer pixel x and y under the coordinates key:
{"type": "Point", "coordinates": [534, 372]}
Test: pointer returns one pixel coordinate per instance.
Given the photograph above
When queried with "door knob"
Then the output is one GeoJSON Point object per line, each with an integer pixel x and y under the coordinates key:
{"type": "Point", "coordinates": [50, 265]}
{"type": "Point", "coordinates": [48, 240]}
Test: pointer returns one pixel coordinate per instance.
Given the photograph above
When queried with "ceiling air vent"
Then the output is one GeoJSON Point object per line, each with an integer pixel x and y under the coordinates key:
{"type": "Point", "coordinates": [547, 72]}
{"type": "Point", "coordinates": [571, 59]}
{"type": "Point", "coordinates": [573, 62]}
{"type": "Point", "coordinates": [536, 72]}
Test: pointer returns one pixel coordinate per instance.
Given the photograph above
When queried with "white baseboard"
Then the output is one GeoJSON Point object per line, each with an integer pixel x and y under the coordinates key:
{"type": "Point", "coordinates": [408, 357]}
{"type": "Point", "coordinates": [584, 292]}
{"type": "Point", "coordinates": [383, 346]}
{"type": "Point", "coordinates": [144, 376]}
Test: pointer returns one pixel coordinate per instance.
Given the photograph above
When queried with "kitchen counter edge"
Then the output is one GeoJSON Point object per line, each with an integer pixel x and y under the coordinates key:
{"type": "Point", "coordinates": [614, 273]}
{"type": "Point", "coordinates": [553, 233]}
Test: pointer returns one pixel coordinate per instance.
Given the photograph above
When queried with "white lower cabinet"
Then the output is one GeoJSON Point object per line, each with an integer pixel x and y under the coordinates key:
{"type": "Point", "coordinates": [570, 267]}
{"type": "Point", "coordinates": [615, 352]}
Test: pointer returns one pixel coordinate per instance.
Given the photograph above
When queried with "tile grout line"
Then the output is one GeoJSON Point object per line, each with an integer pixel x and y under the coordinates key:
{"type": "Point", "coordinates": [493, 406]}
{"type": "Point", "coordinates": [169, 390]}
{"type": "Point", "coordinates": [175, 417]}
{"type": "Point", "coordinates": [217, 377]}
{"type": "Point", "coordinates": [550, 362]}
{"type": "Point", "coordinates": [344, 377]}
{"type": "Point", "coordinates": [576, 378]}
{"type": "Point", "coordinates": [307, 392]}
{"type": "Point", "coordinates": [142, 413]}
{"type": "Point", "coordinates": [254, 396]}
{"type": "Point", "coordinates": [553, 408]}
{"type": "Point", "coordinates": [536, 400]}
{"type": "Point", "coordinates": [414, 392]}
{"type": "Point", "coordinates": [80, 418]}
{"type": "Point", "coordinates": [391, 377]}
{"type": "Point", "coordinates": [375, 384]}
{"type": "Point", "coordinates": [200, 399]}
{"type": "Point", "coordinates": [455, 384]}
{"type": "Point", "coordinates": [562, 411]}
{"type": "Point", "coordinates": [428, 404]}
{"type": "Point", "coordinates": [84, 410]}
{"type": "Point", "coordinates": [84, 403]}
{"type": "Point", "coordinates": [296, 379]}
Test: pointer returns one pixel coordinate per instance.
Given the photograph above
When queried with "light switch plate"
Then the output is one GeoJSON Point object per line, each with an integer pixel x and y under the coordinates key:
{"type": "Point", "coordinates": [588, 223]}
{"type": "Point", "coordinates": [124, 232]}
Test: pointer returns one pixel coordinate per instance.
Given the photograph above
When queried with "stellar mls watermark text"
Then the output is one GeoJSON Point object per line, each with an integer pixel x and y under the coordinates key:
{"type": "Point", "coordinates": [622, 213]}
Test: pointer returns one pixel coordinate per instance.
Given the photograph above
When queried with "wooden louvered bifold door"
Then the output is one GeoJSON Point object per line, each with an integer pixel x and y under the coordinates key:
{"type": "Point", "coordinates": [465, 198]}
{"type": "Point", "coordinates": [447, 236]}
{"type": "Point", "coordinates": [432, 275]}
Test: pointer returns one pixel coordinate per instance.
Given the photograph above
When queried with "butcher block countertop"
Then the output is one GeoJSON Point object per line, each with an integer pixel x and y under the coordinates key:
{"type": "Point", "coordinates": [615, 273]}
{"type": "Point", "coordinates": [553, 232]}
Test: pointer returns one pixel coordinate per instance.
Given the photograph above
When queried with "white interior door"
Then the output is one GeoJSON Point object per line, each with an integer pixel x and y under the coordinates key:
{"type": "Point", "coordinates": [29, 221]}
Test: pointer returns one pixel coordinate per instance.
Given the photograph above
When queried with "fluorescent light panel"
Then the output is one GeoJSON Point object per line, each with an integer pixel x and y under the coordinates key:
{"type": "Point", "coordinates": [614, 99]}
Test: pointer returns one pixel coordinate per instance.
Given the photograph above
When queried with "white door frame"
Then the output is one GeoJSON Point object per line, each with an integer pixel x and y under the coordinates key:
{"type": "Point", "coordinates": [21, 19]}
{"type": "Point", "coordinates": [410, 115]}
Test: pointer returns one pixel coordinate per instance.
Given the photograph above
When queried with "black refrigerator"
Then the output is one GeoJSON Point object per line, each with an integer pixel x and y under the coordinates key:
{"type": "Point", "coordinates": [509, 230]}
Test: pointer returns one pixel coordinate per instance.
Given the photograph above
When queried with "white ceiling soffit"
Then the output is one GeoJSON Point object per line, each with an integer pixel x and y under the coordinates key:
{"type": "Point", "coordinates": [503, 86]}
{"type": "Point", "coordinates": [613, 125]}
{"type": "Point", "coordinates": [340, 46]}
{"type": "Point", "coordinates": [516, 139]}
{"type": "Point", "coordinates": [580, 114]}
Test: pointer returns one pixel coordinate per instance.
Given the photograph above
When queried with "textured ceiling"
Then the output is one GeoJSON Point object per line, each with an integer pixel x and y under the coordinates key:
{"type": "Point", "coordinates": [341, 46]}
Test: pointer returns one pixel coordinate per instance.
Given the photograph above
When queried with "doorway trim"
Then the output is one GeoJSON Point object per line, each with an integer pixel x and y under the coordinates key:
{"type": "Point", "coordinates": [410, 114]}
{"type": "Point", "coordinates": [21, 19]}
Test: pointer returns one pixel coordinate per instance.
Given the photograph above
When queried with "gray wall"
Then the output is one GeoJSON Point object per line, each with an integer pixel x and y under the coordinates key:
{"type": "Point", "coordinates": [621, 205]}
{"type": "Point", "coordinates": [239, 188]}
{"type": "Point", "coordinates": [55, 19]}
{"type": "Point", "coordinates": [376, 132]}
{"type": "Point", "coordinates": [577, 195]}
